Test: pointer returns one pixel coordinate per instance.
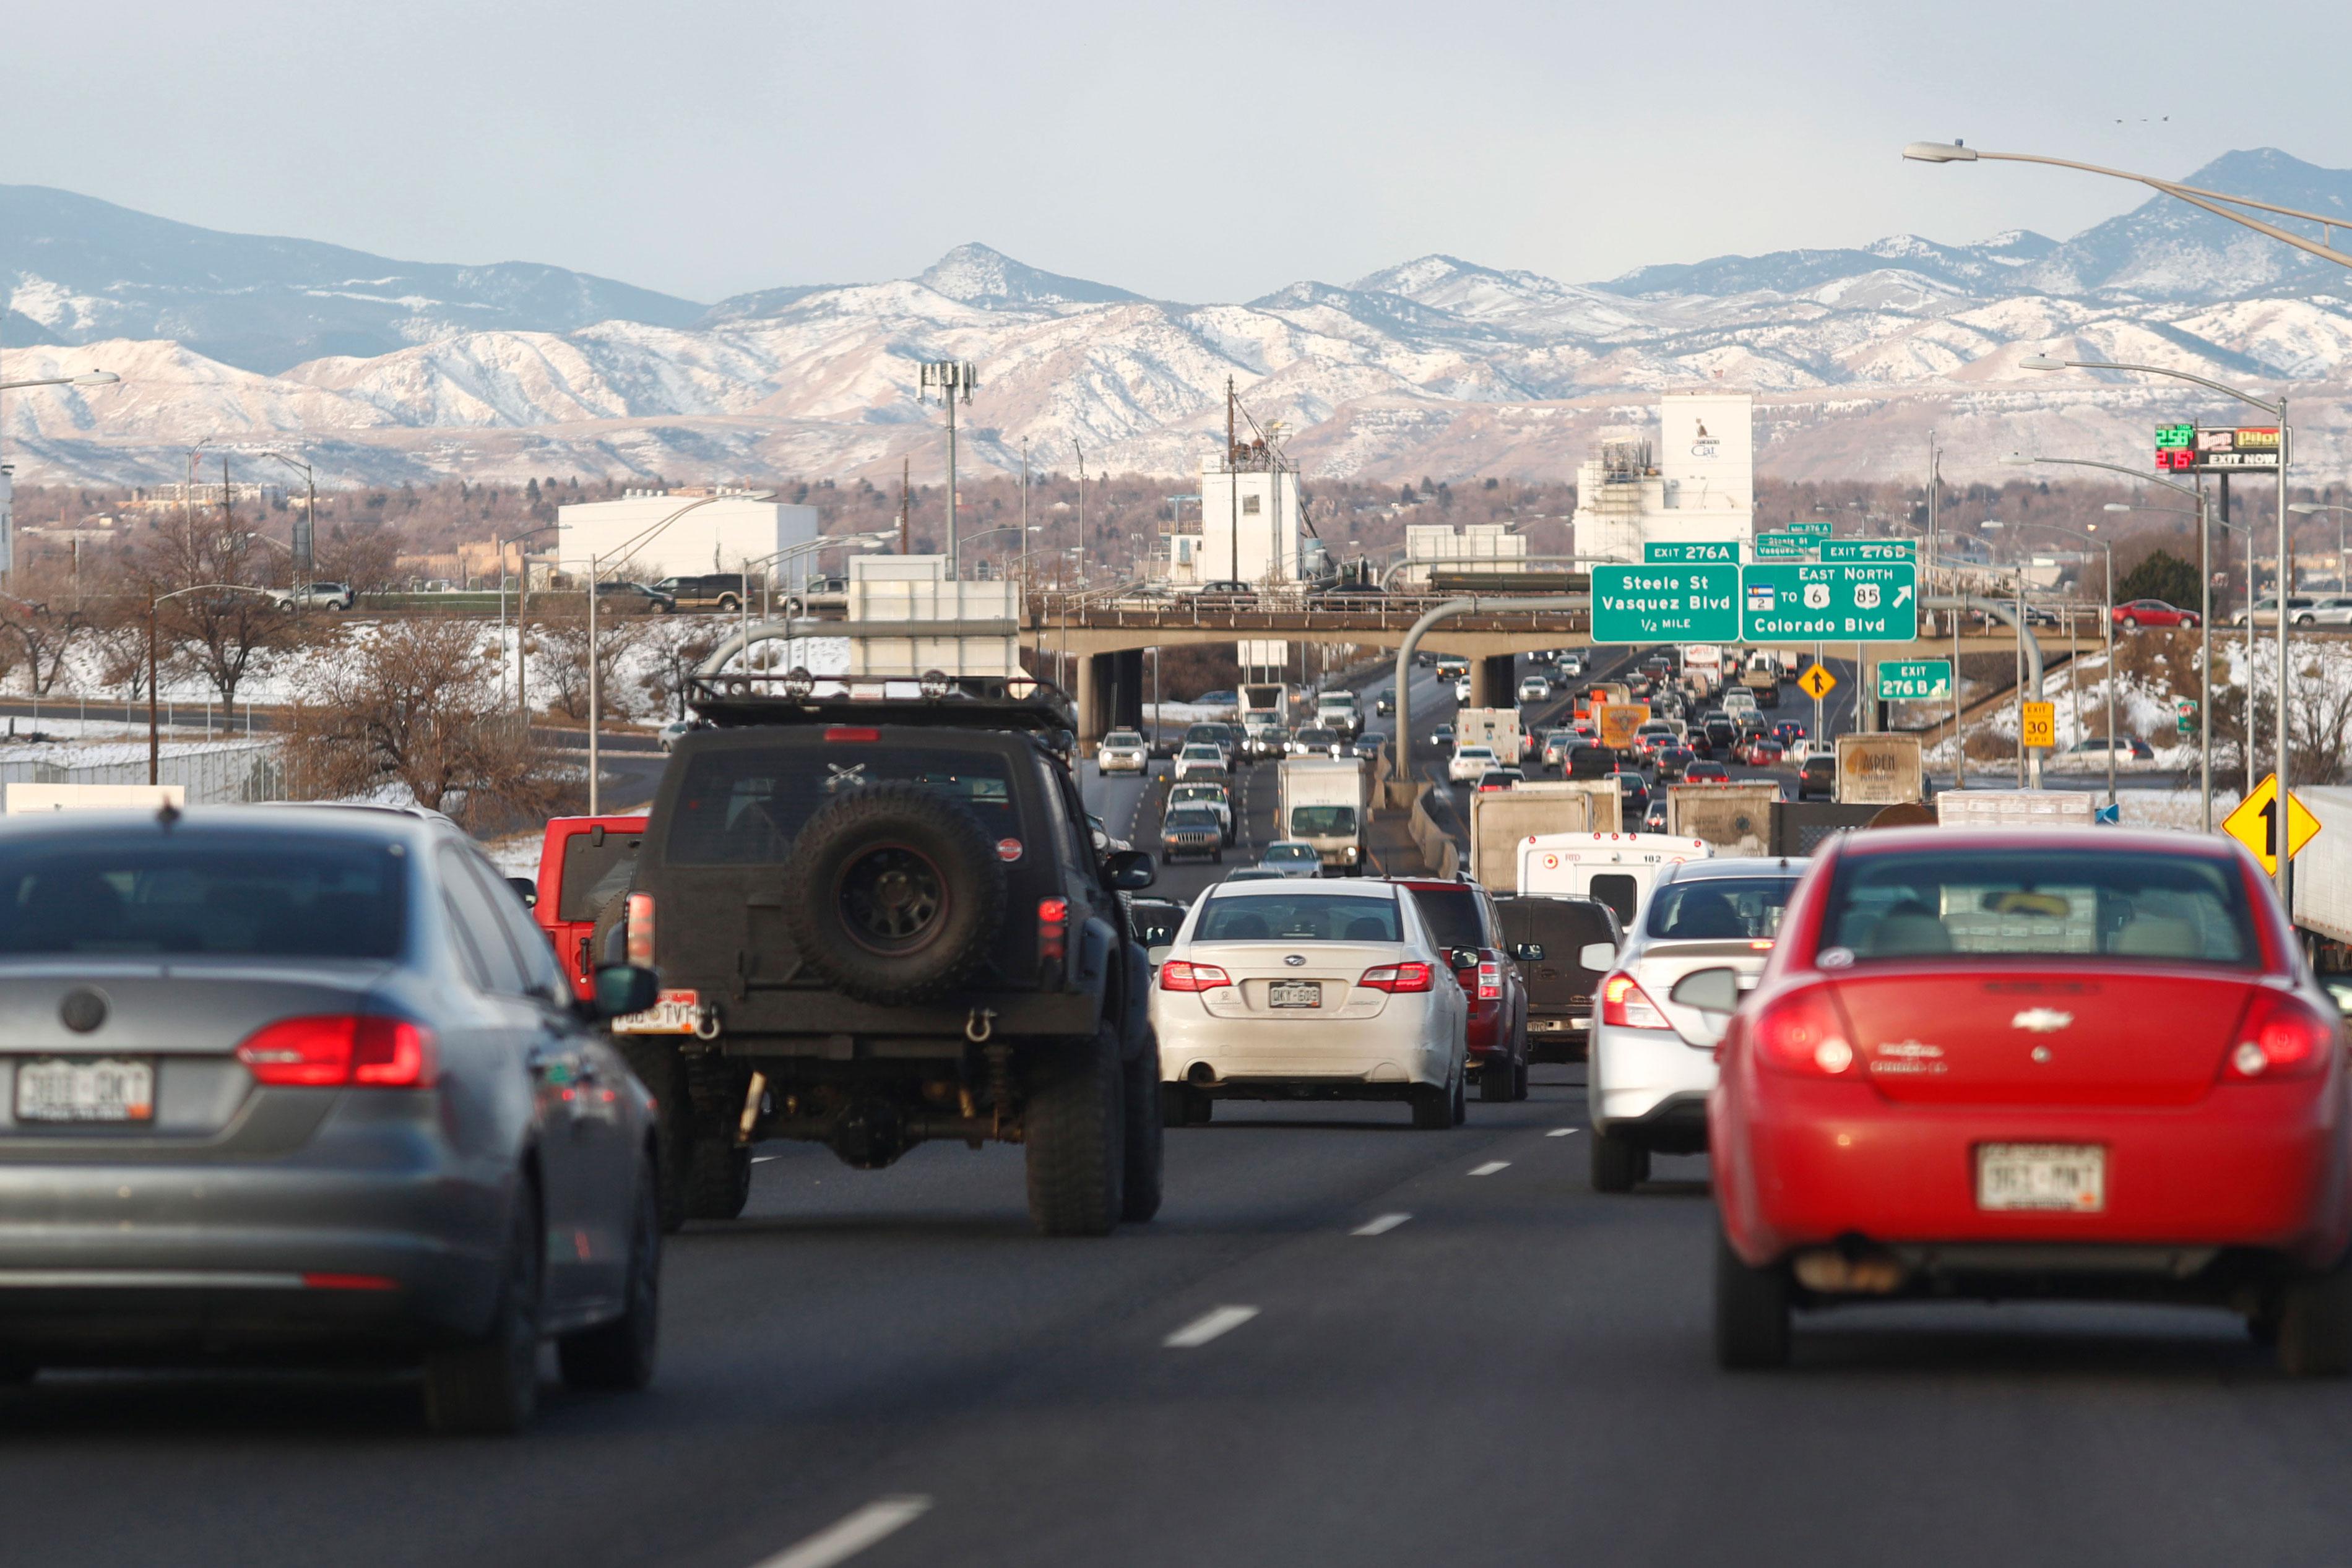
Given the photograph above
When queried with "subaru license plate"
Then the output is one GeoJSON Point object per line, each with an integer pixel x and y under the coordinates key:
{"type": "Point", "coordinates": [2070, 1178]}
{"type": "Point", "coordinates": [673, 1014]}
{"type": "Point", "coordinates": [1294, 994]}
{"type": "Point", "coordinates": [86, 1089]}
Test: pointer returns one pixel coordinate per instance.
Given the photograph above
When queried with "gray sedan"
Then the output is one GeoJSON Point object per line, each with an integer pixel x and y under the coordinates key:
{"type": "Point", "coordinates": [308, 1084]}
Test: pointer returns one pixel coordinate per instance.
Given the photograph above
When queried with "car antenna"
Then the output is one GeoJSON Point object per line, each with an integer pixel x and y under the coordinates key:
{"type": "Point", "coordinates": [167, 814]}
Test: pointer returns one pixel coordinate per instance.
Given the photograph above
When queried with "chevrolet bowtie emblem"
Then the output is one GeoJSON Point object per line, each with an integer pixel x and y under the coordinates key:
{"type": "Point", "coordinates": [2041, 1020]}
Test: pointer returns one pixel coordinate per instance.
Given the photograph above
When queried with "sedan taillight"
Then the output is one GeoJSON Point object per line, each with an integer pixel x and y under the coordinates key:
{"type": "Point", "coordinates": [1801, 1033]}
{"type": "Point", "coordinates": [1396, 979]}
{"type": "Point", "coordinates": [331, 1050]}
{"type": "Point", "coordinates": [2279, 1038]}
{"type": "Point", "coordinates": [1176, 974]}
{"type": "Point", "coordinates": [1624, 1005]}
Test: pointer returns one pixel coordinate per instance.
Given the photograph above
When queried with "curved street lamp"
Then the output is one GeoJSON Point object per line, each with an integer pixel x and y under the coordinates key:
{"type": "Point", "coordinates": [87, 379]}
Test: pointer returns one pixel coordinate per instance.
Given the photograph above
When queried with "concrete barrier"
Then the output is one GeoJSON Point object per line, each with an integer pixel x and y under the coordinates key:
{"type": "Point", "coordinates": [1436, 845]}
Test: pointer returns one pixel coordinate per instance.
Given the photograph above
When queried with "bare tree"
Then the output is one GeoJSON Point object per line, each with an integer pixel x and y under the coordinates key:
{"type": "Point", "coordinates": [560, 653]}
{"type": "Point", "coordinates": [679, 651]}
{"type": "Point", "coordinates": [417, 705]}
{"type": "Point", "coordinates": [227, 628]}
{"type": "Point", "coordinates": [2319, 723]}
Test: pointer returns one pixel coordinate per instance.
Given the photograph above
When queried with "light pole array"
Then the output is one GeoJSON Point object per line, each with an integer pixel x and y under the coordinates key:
{"type": "Point", "coordinates": [306, 538]}
{"type": "Point", "coordinates": [874, 541]}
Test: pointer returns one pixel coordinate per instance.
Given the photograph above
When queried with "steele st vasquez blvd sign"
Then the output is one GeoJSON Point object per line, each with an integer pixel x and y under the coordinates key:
{"type": "Point", "coordinates": [1692, 603]}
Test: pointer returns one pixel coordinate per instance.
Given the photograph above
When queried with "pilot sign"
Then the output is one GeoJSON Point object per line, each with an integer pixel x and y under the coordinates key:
{"type": "Point", "coordinates": [2221, 449]}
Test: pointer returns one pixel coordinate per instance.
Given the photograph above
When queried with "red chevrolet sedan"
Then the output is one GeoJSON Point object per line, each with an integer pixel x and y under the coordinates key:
{"type": "Point", "coordinates": [2142, 613]}
{"type": "Point", "coordinates": [2070, 1063]}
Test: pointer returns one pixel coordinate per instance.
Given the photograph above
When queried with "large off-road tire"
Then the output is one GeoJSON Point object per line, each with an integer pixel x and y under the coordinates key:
{"type": "Point", "coordinates": [1618, 1162]}
{"type": "Point", "coordinates": [1075, 1127]}
{"type": "Point", "coordinates": [1145, 1144]}
{"type": "Point", "coordinates": [619, 1354]}
{"type": "Point", "coordinates": [1752, 1313]}
{"type": "Point", "coordinates": [2314, 1325]}
{"type": "Point", "coordinates": [491, 1385]}
{"type": "Point", "coordinates": [896, 893]}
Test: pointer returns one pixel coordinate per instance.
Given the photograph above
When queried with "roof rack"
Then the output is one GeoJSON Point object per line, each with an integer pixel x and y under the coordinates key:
{"type": "Point", "coordinates": [966, 701]}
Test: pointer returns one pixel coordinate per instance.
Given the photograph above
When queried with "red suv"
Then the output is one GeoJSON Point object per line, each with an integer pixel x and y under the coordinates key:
{"type": "Point", "coordinates": [1462, 916]}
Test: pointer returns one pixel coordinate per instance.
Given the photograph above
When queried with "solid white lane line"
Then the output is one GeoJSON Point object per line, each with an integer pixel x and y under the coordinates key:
{"type": "Point", "coordinates": [1208, 1326]}
{"type": "Point", "coordinates": [1491, 1166]}
{"type": "Point", "coordinates": [1380, 1227]}
{"type": "Point", "coordinates": [1562, 1132]}
{"type": "Point", "coordinates": [840, 1541]}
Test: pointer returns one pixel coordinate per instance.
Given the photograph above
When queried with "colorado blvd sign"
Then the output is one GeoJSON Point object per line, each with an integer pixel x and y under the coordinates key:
{"type": "Point", "coordinates": [1692, 603]}
{"type": "Point", "coordinates": [1845, 602]}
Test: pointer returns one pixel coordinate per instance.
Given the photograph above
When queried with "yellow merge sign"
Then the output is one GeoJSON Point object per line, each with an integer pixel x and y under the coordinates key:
{"type": "Point", "coordinates": [1816, 683]}
{"type": "Point", "coordinates": [2037, 724]}
{"type": "Point", "coordinates": [2254, 824]}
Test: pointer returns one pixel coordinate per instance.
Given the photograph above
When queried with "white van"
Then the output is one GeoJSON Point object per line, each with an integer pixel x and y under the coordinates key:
{"type": "Point", "coordinates": [1618, 869]}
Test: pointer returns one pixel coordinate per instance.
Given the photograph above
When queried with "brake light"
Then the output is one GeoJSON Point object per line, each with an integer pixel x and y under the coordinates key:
{"type": "Point", "coordinates": [328, 1050]}
{"type": "Point", "coordinates": [1052, 929]}
{"type": "Point", "coordinates": [639, 947]}
{"type": "Point", "coordinates": [1799, 1034]}
{"type": "Point", "coordinates": [1399, 978]}
{"type": "Point", "coordinates": [1176, 974]}
{"type": "Point", "coordinates": [1624, 1005]}
{"type": "Point", "coordinates": [1490, 980]}
{"type": "Point", "coordinates": [2279, 1038]}
{"type": "Point", "coordinates": [852, 732]}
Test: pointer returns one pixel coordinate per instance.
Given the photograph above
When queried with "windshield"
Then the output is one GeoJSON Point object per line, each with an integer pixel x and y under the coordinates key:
{"type": "Point", "coordinates": [745, 807]}
{"type": "Point", "coordinates": [1276, 854]}
{"type": "Point", "coordinates": [1192, 817]}
{"type": "Point", "coordinates": [2006, 903]}
{"type": "Point", "coordinates": [246, 897]}
{"type": "Point", "coordinates": [1322, 821]}
{"type": "Point", "coordinates": [1298, 917]}
{"type": "Point", "coordinates": [1720, 909]}
{"type": "Point", "coordinates": [1203, 753]}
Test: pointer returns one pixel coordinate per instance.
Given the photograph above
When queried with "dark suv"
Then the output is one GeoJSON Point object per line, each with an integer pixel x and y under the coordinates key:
{"type": "Point", "coordinates": [881, 922]}
{"type": "Point", "coordinates": [724, 591]}
{"type": "Point", "coordinates": [1547, 936]}
{"type": "Point", "coordinates": [1461, 916]}
{"type": "Point", "coordinates": [1819, 777]}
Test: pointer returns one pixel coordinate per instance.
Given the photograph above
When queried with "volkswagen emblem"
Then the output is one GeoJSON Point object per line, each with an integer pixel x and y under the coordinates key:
{"type": "Point", "coordinates": [83, 1009]}
{"type": "Point", "coordinates": [1294, 959]}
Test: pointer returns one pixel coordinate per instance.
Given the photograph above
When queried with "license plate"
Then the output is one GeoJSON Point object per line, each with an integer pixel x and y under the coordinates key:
{"type": "Point", "coordinates": [1294, 994]}
{"type": "Point", "coordinates": [673, 1014]}
{"type": "Point", "coordinates": [2070, 1178]}
{"type": "Point", "coordinates": [86, 1089]}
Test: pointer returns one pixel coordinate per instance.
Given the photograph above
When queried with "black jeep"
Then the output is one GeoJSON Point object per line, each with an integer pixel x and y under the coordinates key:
{"type": "Point", "coordinates": [879, 918]}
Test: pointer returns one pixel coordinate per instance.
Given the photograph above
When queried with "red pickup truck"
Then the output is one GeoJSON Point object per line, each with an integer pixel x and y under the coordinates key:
{"type": "Point", "coordinates": [1462, 916]}
{"type": "Point", "coordinates": [585, 864]}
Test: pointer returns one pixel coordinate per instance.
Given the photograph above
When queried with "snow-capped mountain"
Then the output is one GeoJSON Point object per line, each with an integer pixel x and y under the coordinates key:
{"type": "Point", "coordinates": [1435, 366]}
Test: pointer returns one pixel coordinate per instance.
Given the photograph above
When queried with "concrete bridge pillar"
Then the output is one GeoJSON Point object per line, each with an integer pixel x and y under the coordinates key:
{"type": "Point", "coordinates": [1493, 680]}
{"type": "Point", "coordinates": [1109, 695]}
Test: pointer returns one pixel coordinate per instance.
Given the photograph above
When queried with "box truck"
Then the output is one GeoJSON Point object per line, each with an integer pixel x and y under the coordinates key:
{"type": "Point", "coordinates": [1496, 727]}
{"type": "Point", "coordinates": [1735, 818]}
{"type": "Point", "coordinates": [1339, 710]}
{"type": "Point", "coordinates": [1879, 769]}
{"type": "Point", "coordinates": [1325, 801]}
{"type": "Point", "coordinates": [1502, 819]}
{"type": "Point", "coordinates": [2015, 808]}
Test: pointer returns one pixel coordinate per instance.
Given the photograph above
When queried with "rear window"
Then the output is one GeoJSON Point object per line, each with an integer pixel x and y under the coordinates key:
{"type": "Point", "coordinates": [1299, 917]}
{"type": "Point", "coordinates": [596, 867]}
{"type": "Point", "coordinates": [220, 896]}
{"type": "Point", "coordinates": [1999, 903]}
{"type": "Point", "coordinates": [1452, 915]}
{"type": "Point", "coordinates": [738, 808]}
{"type": "Point", "coordinates": [1720, 909]}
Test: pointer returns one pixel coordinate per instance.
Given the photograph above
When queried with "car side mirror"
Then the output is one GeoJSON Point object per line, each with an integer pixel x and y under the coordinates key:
{"type": "Point", "coordinates": [1528, 952]}
{"type": "Point", "coordinates": [1708, 990]}
{"type": "Point", "coordinates": [1463, 958]}
{"type": "Point", "coordinates": [1131, 871]}
{"type": "Point", "coordinates": [625, 988]}
{"type": "Point", "coordinates": [525, 889]}
{"type": "Point", "coordinates": [1596, 955]}
{"type": "Point", "coordinates": [1158, 956]}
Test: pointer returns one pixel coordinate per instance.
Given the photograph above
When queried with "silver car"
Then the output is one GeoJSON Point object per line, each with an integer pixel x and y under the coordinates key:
{"type": "Point", "coordinates": [309, 1082]}
{"type": "Point", "coordinates": [1652, 1059]}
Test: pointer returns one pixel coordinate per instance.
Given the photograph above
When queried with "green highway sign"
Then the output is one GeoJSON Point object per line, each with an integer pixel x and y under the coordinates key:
{"type": "Point", "coordinates": [1914, 680]}
{"type": "Point", "coordinates": [1811, 530]}
{"type": "Point", "coordinates": [1724, 550]}
{"type": "Point", "coordinates": [1667, 603]}
{"type": "Point", "coordinates": [1782, 547]}
{"type": "Point", "coordinates": [1867, 549]}
{"type": "Point", "coordinates": [1844, 602]}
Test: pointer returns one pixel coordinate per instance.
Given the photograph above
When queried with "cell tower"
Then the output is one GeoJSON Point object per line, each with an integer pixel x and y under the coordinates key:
{"type": "Point", "coordinates": [949, 379]}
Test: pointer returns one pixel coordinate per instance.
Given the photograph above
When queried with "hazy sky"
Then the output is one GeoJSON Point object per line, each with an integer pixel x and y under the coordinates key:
{"type": "Point", "coordinates": [1199, 153]}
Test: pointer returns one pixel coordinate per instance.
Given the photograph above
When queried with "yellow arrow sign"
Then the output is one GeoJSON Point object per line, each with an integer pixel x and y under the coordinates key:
{"type": "Point", "coordinates": [2252, 824]}
{"type": "Point", "coordinates": [2037, 724]}
{"type": "Point", "coordinates": [1816, 683]}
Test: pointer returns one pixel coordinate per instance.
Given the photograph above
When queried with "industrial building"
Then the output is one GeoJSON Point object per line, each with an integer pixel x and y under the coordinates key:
{"type": "Point", "coordinates": [728, 533]}
{"type": "Point", "coordinates": [1695, 480]}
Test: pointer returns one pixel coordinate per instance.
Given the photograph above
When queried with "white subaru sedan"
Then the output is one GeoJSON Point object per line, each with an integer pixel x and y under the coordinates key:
{"type": "Point", "coordinates": [1291, 990]}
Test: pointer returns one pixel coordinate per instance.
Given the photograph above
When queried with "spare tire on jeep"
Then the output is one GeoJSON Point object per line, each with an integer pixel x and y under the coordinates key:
{"type": "Point", "coordinates": [895, 893]}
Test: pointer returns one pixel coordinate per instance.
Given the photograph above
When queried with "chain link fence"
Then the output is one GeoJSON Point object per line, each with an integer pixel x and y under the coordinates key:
{"type": "Point", "coordinates": [213, 773]}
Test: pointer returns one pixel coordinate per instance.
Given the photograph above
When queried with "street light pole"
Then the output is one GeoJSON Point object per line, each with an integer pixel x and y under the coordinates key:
{"type": "Point", "coordinates": [305, 542]}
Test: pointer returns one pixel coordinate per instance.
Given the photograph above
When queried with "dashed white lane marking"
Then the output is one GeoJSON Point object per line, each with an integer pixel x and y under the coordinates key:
{"type": "Point", "coordinates": [840, 1541]}
{"type": "Point", "coordinates": [1380, 1227]}
{"type": "Point", "coordinates": [1490, 1167]}
{"type": "Point", "coordinates": [1562, 1132]}
{"type": "Point", "coordinates": [1208, 1326]}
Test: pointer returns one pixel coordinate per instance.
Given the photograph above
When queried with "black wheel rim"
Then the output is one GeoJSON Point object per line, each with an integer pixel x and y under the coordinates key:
{"type": "Point", "coordinates": [892, 899]}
